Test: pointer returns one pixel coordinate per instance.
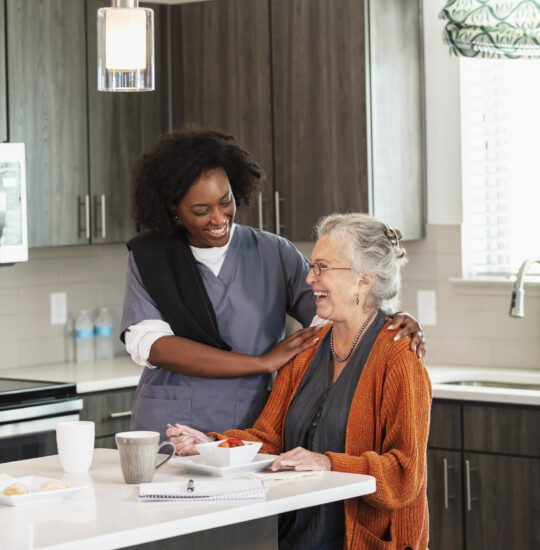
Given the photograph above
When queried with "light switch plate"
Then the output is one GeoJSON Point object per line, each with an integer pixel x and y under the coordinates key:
{"type": "Point", "coordinates": [58, 308]}
{"type": "Point", "coordinates": [427, 307]}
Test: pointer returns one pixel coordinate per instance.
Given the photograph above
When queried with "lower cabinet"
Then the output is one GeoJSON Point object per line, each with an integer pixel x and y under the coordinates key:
{"type": "Point", "coordinates": [445, 500]}
{"type": "Point", "coordinates": [111, 411]}
{"type": "Point", "coordinates": [483, 488]}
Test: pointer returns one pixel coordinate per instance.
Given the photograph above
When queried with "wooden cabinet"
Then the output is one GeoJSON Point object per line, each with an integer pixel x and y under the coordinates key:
{"type": "Point", "coordinates": [292, 80]}
{"type": "Point", "coordinates": [111, 412]}
{"type": "Point", "coordinates": [121, 126]}
{"type": "Point", "coordinates": [220, 68]}
{"type": "Point", "coordinates": [445, 500]}
{"type": "Point", "coordinates": [3, 87]}
{"type": "Point", "coordinates": [46, 60]}
{"type": "Point", "coordinates": [483, 477]}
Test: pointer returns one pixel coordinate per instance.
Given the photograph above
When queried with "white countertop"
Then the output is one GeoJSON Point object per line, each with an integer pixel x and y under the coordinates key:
{"type": "Point", "coordinates": [439, 374]}
{"type": "Point", "coordinates": [108, 515]}
{"type": "Point", "coordinates": [122, 372]}
{"type": "Point", "coordinates": [119, 372]}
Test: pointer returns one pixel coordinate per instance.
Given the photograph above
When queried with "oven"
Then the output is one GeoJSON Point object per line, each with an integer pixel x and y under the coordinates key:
{"type": "Point", "coordinates": [29, 413]}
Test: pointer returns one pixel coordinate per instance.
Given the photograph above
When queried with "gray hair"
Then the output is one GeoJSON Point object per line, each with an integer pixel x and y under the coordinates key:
{"type": "Point", "coordinates": [371, 247]}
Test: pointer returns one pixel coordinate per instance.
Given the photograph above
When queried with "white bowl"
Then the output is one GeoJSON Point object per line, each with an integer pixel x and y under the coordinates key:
{"type": "Point", "coordinates": [214, 455]}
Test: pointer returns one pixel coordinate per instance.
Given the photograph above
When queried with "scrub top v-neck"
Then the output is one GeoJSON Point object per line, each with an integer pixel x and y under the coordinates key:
{"type": "Point", "coordinates": [262, 277]}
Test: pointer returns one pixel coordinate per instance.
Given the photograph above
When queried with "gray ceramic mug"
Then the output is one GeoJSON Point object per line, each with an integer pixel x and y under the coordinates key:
{"type": "Point", "coordinates": [138, 452]}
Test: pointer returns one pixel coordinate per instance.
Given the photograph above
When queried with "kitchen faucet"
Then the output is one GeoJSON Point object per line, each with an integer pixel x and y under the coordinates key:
{"type": "Point", "coordinates": [517, 308]}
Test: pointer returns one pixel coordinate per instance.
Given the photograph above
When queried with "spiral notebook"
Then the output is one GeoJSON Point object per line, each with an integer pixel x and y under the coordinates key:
{"type": "Point", "coordinates": [203, 490]}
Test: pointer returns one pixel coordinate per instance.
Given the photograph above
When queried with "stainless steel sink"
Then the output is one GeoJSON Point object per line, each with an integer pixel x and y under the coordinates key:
{"type": "Point", "coordinates": [493, 384]}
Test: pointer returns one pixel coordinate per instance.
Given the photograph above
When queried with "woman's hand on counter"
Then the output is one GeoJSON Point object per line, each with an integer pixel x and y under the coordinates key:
{"type": "Point", "coordinates": [283, 352]}
{"type": "Point", "coordinates": [301, 459]}
{"type": "Point", "coordinates": [185, 438]}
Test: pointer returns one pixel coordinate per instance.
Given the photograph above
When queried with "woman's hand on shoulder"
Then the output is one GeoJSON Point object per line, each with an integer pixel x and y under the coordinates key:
{"type": "Point", "coordinates": [283, 352]}
{"type": "Point", "coordinates": [301, 459]}
{"type": "Point", "coordinates": [185, 438]}
{"type": "Point", "coordinates": [409, 326]}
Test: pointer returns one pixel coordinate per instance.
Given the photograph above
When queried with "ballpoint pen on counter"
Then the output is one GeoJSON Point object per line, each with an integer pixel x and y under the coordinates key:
{"type": "Point", "coordinates": [197, 437]}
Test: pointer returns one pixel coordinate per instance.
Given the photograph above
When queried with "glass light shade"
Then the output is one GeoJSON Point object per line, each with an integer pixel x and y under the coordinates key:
{"type": "Point", "coordinates": [125, 42]}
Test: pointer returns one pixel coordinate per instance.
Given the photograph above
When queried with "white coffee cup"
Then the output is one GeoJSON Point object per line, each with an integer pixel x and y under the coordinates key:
{"type": "Point", "coordinates": [138, 452]}
{"type": "Point", "coordinates": [75, 442]}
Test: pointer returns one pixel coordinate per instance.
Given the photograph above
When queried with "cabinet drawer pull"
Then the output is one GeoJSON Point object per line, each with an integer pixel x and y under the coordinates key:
{"type": "Point", "coordinates": [123, 414]}
{"type": "Point", "coordinates": [100, 207]}
{"type": "Point", "coordinates": [84, 203]}
{"type": "Point", "coordinates": [260, 210]}
{"type": "Point", "coordinates": [277, 208]}
{"type": "Point", "coordinates": [446, 467]}
{"type": "Point", "coordinates": [468, 471]}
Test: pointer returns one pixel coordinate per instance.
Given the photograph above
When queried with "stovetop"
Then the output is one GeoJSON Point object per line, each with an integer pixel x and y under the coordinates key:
{"type": "Point", "coordinates": [14, 392]}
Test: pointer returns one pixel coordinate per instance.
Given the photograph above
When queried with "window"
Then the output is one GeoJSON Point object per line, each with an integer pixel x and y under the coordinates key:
{"type": "Point", "coordinates": [500, 120]}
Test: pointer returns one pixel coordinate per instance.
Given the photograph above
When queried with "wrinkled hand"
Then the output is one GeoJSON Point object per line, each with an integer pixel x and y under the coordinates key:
{"type": "Point", "coordinates": [409, 325]}
{"type": "Point", "coordinates": [301, 459]}
{"type": "Point", "coordinates": [289, 347]}
{"type": "Point", "coordinates": [185, 438]}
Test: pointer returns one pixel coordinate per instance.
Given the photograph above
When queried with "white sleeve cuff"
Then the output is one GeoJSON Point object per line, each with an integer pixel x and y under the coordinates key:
{"type": "Point", "coordinates": [140, 338]}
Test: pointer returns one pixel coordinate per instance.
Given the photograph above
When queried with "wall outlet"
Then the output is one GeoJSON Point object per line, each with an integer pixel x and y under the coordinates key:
{"type": "Point", "coordinates": [427, 307]}
{"type": "Point", "coordinates": [58, 308]}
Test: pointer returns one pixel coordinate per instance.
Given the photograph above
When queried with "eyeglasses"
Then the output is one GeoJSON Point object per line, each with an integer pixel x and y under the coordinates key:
{"type": "Point", "coordinates": [318, 268]}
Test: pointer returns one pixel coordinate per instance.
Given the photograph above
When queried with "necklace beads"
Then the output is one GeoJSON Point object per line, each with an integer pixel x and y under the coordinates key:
{"type": "Point", "coordinates": [342, 358]}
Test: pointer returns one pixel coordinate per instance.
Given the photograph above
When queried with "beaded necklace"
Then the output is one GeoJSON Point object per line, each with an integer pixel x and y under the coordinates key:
{"type": "Point", "coordinates": [342, 358]}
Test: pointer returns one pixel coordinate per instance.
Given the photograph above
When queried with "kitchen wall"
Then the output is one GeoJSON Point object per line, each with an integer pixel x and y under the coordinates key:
{"type": "Point", "coordinates": [473, 326]}
{"type": "Point", "coordinates": [91, 276]}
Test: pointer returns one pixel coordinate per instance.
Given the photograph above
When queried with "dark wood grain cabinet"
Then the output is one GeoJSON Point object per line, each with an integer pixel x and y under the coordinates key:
{"type": "Point", "coordinates": [220, 70]}
{"type": "Point", "coordinates": [111, 412]}
{"type": "Point", "coordinates": [121, 126]}
{"type": "Point", "coordinates": [46, 60]}
{"type": "Point", "coordinates": [3, 82]}
{"type": "Point", "coordinates": [483, 477]}
{"type": "Point", "coordinates": [291, 80]}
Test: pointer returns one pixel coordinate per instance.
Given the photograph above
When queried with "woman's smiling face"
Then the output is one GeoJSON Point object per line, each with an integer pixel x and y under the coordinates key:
{"type": "Point", "coordinates": [334, 289]}
{"type": "Point", "coordinates": [208, 210]}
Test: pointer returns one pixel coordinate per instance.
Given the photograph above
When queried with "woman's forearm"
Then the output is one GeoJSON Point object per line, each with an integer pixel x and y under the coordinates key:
{"type": "Point", "coordinates": [195, 359]}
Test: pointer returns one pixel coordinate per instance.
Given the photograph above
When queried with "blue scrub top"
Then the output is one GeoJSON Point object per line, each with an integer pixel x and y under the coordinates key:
{"type": "Point", "coordinates": [262, 278]}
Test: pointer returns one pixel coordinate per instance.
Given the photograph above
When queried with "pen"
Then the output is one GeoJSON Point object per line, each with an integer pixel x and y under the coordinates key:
{"type": "Point", "coordinates": [190, 486]}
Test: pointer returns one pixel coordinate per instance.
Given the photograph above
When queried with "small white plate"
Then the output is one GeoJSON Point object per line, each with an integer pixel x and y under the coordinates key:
{"type": "Point", "coordinates": [35, 496]}
{"type": "Point", "coordinates": [196, 465]}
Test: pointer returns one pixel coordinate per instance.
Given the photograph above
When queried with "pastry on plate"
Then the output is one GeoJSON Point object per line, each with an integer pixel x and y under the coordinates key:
{"type": "Point", "coordinates": [53, 485]}
{"type": "Point", "coordinates": [16, 488]}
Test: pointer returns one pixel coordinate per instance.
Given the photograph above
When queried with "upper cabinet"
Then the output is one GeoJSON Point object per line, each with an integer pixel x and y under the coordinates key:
{"type": "Point", "coordinates": [320, 132]}
{"type": "Point", "coordinates": [46, 59]}
{"type": "Point", "coordinates": [81, 145]}
{"type": "Point", "coordinates": [121, 126]}
{"type": "Point", "coordinates": [330, 108]}
{"type": "Point", "coordinates": [220, 69]}
{"type": "Point", "coordinates": [3, 91]}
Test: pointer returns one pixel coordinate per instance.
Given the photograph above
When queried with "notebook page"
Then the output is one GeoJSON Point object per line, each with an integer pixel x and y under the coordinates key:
{"type": "Point", "coordinates": [203, 489]}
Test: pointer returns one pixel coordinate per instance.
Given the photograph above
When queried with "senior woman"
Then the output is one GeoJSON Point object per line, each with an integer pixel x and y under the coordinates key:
{"type": "Point", "coordinates": [357, 402]}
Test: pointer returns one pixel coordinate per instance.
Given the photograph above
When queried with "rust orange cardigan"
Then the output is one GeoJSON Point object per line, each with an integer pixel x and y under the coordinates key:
{"type": "Point", "coordinates": [387, 432]}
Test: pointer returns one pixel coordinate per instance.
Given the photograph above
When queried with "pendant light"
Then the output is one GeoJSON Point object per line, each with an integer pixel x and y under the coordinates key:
{"type": "Point", "coordinates": [125, 42]}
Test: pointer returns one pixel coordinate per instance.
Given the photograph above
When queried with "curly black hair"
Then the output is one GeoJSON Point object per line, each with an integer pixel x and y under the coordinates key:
{"type": "Point", "coordinates": [166, 172]}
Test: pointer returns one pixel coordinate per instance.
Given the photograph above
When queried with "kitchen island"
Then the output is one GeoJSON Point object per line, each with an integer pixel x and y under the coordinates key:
{"type": "Point", "coordinates": [107, 514]}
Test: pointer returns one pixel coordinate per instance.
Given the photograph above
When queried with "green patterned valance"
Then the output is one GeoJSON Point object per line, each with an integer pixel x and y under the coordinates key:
{"type": "Point", "coordinates": [507, 29]}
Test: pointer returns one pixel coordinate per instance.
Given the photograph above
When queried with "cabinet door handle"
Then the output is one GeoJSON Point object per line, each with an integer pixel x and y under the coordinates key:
{"type": "Point", "coordinates": [260, 210]}
{"type": "Point", "coordinates": [84, 203]}
{"type": "Point", "coordinates": [468, 471]}
{"type": "Point", "coordinates": [446, 467]}
{"type": "Point", "coordinates": [277, 205]}
{"type": "Point", "coordinates": [123, 414]}
{"type": "Point", "coordinates": [100, 203]}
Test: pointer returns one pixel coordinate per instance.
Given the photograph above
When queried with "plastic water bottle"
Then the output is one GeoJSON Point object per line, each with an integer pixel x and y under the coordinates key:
{"type": "Point", "coordinates": [84, 337]}
{"type": "Point", "coordinates": [104, 335]}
